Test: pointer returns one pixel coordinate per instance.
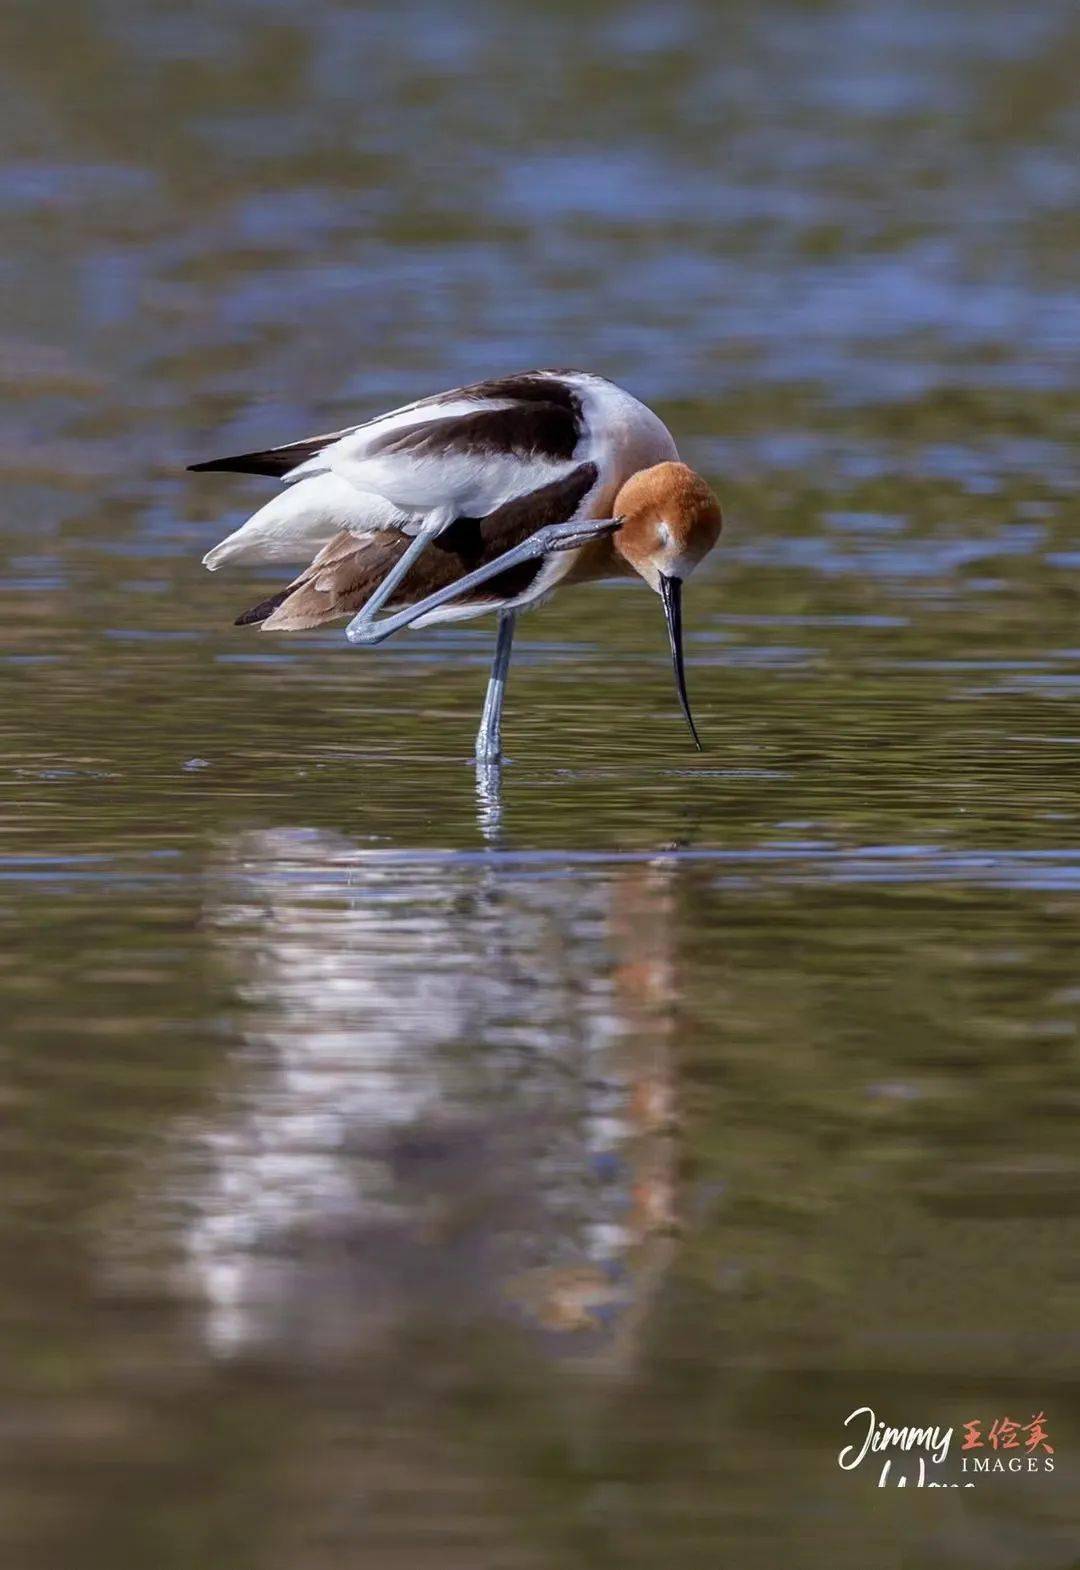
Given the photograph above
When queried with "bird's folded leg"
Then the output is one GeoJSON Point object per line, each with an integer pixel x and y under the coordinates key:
{"type": "Point", "coordinates": [387, 586]}
{"type": "Point", "coordinates": [363, 629]}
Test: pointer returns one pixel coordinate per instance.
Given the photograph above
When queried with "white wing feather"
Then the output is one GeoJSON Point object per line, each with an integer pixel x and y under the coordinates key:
{"type": "Point", "coordinates": [300, 520]}
{"type": "Point", "coordinates": [431, 490]}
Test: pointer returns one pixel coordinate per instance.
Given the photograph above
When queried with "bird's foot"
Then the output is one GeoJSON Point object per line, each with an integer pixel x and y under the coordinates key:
{"type": "Point", "coordinates": [565, 536]}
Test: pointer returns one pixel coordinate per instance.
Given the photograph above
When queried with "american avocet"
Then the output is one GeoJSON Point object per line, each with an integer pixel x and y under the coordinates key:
{"type": "Point", "coordinates": [484, 498]}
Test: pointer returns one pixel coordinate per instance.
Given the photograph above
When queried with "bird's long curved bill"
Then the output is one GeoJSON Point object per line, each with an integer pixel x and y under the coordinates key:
{"type": "Point", "coordinates": [671, 594]}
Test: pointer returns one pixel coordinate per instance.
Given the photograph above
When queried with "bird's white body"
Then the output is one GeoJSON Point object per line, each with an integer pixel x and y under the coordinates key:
{"type": "Point", "coordinates": [462, 454]}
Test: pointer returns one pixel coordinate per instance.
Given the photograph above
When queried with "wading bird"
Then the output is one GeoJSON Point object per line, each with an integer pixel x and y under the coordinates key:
{"type": "Point", "coordinates": [484, 498]}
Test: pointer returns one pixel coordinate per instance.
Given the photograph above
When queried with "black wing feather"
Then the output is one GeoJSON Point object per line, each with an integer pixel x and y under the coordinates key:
{"type": "Point", "coordinates": [275, 461]}
{"type": "Point", "coordinates": [544, 418]}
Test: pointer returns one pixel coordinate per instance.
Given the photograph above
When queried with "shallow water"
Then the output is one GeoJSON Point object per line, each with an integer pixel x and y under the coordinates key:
{"type": "Point", "coordinates": [411, 1171]}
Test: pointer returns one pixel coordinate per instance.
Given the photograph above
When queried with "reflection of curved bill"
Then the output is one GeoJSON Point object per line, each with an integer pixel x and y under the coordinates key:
{"type": "Point", "coordinates": [454, 1095]}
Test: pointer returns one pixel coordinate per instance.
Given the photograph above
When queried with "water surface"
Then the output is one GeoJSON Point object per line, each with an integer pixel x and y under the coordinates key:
{"type": "Point", "coordinates": [404, 1171]}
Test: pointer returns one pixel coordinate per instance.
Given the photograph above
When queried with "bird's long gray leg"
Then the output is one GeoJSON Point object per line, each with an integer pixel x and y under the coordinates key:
{"type": "Point", "coordinates": [363, 629]}
{"type": "Point", "coordinates": [388, 585]}
{"type": "Point", "coordinates": [489, 736]}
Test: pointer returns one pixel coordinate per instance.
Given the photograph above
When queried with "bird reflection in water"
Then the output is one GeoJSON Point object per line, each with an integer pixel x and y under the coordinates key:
{"type": "Point", "coordinates": [454, 1097]}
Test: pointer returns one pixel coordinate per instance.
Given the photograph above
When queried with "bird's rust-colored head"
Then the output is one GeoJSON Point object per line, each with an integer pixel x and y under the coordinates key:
{"type": "Point", "coordinates": [671, 522]}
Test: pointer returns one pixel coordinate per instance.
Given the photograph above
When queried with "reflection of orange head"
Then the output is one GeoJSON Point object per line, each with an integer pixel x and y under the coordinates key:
{"type": "Point", "coordinates": [643, 926]}
{"type": "Point", "coordinates": [672, 522]}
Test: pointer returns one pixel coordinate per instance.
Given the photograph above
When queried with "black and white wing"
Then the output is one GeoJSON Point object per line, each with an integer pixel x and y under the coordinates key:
{"type": "Point", "coordinates": [461, 454]}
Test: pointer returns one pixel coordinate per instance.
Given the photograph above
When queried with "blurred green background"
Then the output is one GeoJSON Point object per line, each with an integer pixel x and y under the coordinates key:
{"type": "Point", "coordinates": [397, 1174]}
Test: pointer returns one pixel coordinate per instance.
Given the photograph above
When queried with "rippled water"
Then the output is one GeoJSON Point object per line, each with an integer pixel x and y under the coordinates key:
{"type": "Point", "coordinates": [405, 1171]}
